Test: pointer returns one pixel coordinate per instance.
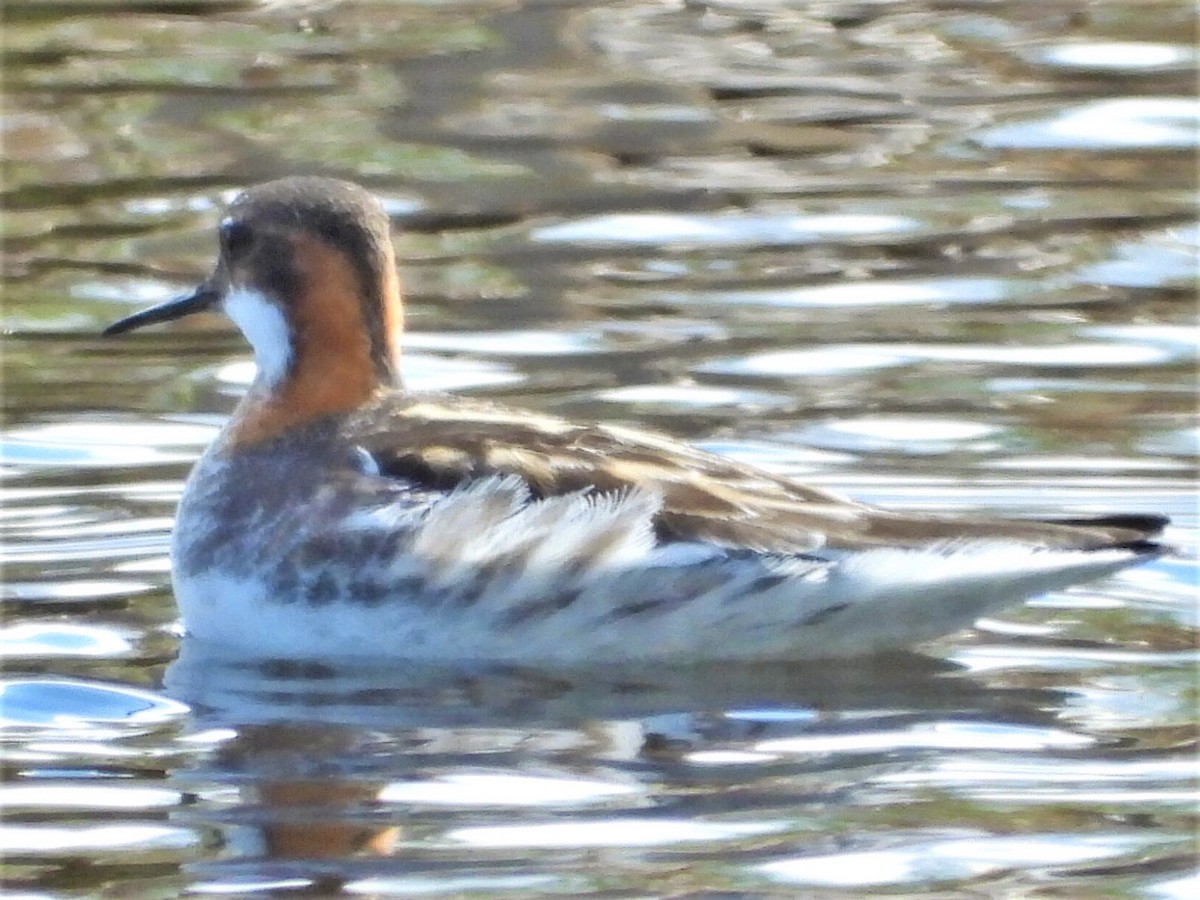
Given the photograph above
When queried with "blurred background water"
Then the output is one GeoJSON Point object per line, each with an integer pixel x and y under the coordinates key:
{"type": "Point", "coordinates": [935, 253]}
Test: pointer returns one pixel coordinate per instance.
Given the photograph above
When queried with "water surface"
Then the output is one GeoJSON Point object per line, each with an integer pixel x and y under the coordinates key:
{"type": "Point", "coordinates": [937, 255]}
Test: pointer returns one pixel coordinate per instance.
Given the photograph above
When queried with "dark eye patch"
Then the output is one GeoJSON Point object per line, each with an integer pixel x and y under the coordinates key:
{"type": "Point", "coordinates": [236, 238]}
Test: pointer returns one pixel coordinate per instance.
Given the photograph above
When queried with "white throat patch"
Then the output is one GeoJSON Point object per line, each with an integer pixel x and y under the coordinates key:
{"type": "Point", "coordinates": [265, 328]}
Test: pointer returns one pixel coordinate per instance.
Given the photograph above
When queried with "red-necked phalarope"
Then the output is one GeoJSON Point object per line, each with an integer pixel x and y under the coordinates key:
{"type": "Point", "coordinates": [338, 515]}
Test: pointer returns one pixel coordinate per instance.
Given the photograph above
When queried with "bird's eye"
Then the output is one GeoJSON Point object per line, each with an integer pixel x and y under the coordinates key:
{"type": "Point", "coordinates": [236, 238]}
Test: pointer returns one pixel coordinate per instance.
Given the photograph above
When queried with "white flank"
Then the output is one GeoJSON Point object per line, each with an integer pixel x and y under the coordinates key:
{"type": "Point", "coordinates": [264, 326]}
{"type": "Point", "coordinates": [490, 572]}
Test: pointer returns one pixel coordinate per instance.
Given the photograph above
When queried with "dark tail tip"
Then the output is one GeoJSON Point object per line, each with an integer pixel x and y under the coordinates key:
{"type": "Point", "coordinates": [1146, 548]}
{"type": "Point", "coordinates": [1147, 525]}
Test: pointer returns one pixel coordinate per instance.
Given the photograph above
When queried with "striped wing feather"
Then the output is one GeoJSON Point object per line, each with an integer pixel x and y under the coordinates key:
{"type": "Point", "coordinates": [441, 442]}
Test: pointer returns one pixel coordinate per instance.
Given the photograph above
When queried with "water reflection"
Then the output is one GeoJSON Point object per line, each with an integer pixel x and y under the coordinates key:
{"type": "Point", "coordinates": [65, 705]}
{"type": "Point", "coordinates": [940, 257]}
{"type": "Point", "coordinates": [232, 692]}
{"type": "Point", "coordinates": [930, 862]}
{"type": "Point", "coordinates": [346, 763]}
{"type": "Point", "coordinates": [657, 229]}
{"type": "Point", "coordinates": [1116, 56]}
{"type": "Point", "coordinates": [1144, 123]}
{"type": "Point", "coordinates": [40, 640]}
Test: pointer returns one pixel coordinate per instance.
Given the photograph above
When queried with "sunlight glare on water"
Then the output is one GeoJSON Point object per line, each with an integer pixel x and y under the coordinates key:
{"type": "Point", "coordinates": [1126, 124]}
{"type": "Point", "coordinates": [935, 861]}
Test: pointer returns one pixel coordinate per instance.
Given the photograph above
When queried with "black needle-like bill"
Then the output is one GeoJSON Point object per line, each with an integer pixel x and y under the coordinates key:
{"type": "Point", "coordinates": [204, 297]}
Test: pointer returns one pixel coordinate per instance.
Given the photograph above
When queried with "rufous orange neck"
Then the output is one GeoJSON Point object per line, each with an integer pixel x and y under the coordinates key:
{"type": "Point", "coordinates": [334, 367]}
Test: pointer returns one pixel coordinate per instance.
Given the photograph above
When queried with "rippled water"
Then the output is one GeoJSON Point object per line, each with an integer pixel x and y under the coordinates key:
{"type": "Point", "coordinates": [938, 255]}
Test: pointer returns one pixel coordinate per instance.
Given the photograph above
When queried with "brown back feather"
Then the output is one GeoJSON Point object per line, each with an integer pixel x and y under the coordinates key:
{"type": "Point", "coordinates": [441, 442]}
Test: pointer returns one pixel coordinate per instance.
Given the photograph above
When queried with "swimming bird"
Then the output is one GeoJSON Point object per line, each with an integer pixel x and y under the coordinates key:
{"type": "Point", "coordinates": [339, 515]}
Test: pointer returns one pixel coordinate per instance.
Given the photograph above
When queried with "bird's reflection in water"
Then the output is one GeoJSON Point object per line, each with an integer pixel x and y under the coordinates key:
{"type": "Point", "coordinates": [301, 805]}
{"type": "Point", "coordinates": [322, 769]}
